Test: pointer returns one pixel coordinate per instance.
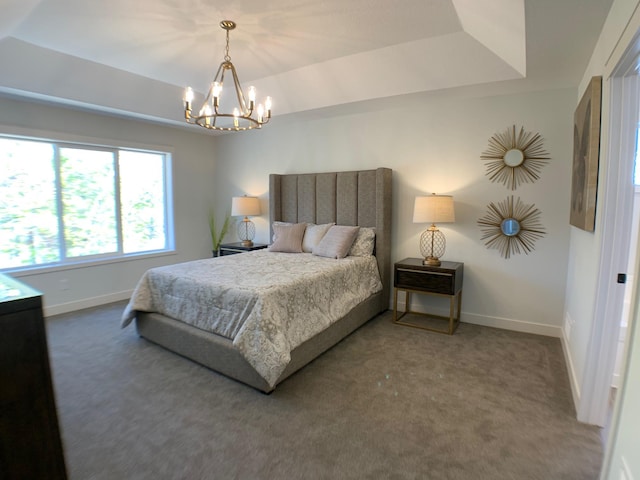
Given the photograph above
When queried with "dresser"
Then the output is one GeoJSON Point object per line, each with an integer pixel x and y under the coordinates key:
{"type": "Point", "coordinates": [30, 444]}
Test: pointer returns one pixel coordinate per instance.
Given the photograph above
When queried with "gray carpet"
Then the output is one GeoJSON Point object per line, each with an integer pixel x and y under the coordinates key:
{"type": "Point", "coordinates": [388, 402]}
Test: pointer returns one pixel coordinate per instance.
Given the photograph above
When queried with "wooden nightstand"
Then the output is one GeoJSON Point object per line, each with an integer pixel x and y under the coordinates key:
{"type": "Point", "coordinates": [233, 248]}
{"type": "Point", "coordinates": [411, 276]}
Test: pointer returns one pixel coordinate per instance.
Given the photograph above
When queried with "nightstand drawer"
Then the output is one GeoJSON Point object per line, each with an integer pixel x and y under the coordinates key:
{"type": "Point", "coordinates": [434, 282]}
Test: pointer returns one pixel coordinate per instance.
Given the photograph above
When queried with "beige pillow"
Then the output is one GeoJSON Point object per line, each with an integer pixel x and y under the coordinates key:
{"type": "Point", "coordinates": [313, 234]}
{"type": "Point", "coordinates": [274, 230]}
{"type": "Point", "coordinates": [337, 242]}
{"type": "Point", "coordinates": [288, 238]}
{"type": "Point", "coordinates": [364, 243]}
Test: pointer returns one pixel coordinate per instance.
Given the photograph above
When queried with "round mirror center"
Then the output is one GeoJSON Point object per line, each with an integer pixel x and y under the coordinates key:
{"type": "Point", "coordinates": [513, 157]}
{"type": "Point", "coordinates": [510, 227]}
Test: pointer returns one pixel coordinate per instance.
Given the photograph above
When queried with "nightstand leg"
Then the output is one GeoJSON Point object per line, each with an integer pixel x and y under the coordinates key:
{"type": "Point", "coordinates": [454, 318]}
{"type": "Point", "coordinates": [451, 313]}
{"type": "Point", "coordinates": [397, 317]}
{"type": "Point", "coordinates": [395, 304]}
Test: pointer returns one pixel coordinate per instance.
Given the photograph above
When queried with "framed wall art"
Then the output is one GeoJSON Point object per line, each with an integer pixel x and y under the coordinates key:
{"type": "Point", "coordinates": [586, 154]}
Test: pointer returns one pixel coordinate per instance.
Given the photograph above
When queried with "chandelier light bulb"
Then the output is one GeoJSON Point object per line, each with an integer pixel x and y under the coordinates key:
{"type": "Point", "coordinates": [236, 114]}
{"type": "Point", "coordinates": [206, 112]}
{"type": "Point", "coordinates": [252, 94]}
{"type": "Point", "coordinates": [260, 112]}
{"type": "Point", "coordinates": [217, 89]}
{"type": "Point", "coordinates": [267, 105]}
{"type": "Point", "coordinates": [188, 98]}
{"type": "Point", "coordinates": [188, 95]}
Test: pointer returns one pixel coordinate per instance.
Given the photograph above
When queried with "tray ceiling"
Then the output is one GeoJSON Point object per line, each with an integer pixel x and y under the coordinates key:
{"type": "Point", "coordinates": [135, 58]}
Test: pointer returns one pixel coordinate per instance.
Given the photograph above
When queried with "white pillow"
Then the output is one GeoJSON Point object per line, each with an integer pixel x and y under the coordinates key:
{"type": "Point", "coordinates": [313, 234]}
{"type": "Point", "coordinates": [337, 242]}
{"type": "Point", "coordinates": [288, 238]}
{"type": "Point", "coordinates": [364, 243]}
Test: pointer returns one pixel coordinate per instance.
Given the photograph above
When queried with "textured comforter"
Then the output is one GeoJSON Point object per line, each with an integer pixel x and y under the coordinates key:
{"type": "Point", "coordinates": [267, 303]}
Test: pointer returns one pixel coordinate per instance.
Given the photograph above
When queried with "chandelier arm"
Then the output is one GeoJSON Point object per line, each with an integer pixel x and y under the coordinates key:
{"type": "Point", "coordinates": [239, 94]}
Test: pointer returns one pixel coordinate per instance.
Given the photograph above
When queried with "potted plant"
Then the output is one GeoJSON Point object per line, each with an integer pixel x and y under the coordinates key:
{"type": "Point", "coordinates": [216, 237]}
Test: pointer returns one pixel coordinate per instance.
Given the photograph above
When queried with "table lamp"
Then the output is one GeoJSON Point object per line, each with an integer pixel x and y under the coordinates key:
{"type": "Point", "coordinates": [245, 207]}
{"type": "Point", "coordinates": [433, 209]}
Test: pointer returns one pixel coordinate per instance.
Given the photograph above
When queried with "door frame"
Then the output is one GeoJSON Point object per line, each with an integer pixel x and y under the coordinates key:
{"type": "Point", "coordinates": [621, 85]}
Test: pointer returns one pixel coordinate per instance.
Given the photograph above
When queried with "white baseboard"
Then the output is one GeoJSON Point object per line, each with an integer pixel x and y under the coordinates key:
{"type": "Point", "coordinates": [573, 378]}
{"type": "Point", "coordinates": [511, 324]}
{"type": "Point", "coordinates": [50, 310]}
{"type": "Point", "coordinates": [495, 322]}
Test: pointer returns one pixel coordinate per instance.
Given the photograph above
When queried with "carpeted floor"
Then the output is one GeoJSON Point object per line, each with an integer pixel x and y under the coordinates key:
{"type": "Point", "coordinates": [388, 402]}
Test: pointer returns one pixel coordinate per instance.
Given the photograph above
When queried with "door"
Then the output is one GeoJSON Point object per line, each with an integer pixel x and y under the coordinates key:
{"type": "Point", "coordinates": [617, 210]}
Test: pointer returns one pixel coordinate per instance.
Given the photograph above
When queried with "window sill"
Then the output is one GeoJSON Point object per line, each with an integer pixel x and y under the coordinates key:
{"type": "Point", "coordinates": [38, 270]}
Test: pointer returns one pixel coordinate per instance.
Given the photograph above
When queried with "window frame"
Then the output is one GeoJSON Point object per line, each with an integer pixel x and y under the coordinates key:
{"type": "Point", "coordinates": [58, 141]}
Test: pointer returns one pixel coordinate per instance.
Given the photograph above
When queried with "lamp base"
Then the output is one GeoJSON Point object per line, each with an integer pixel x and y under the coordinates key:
{"type": "Point", "coordinates": [432, 262]}
{"type": "Point", "coordinates": [246, 232]}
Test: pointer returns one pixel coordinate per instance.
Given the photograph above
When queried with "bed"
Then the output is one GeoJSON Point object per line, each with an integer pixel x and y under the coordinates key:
{"type": "Point", "coordinates": [354, 198]}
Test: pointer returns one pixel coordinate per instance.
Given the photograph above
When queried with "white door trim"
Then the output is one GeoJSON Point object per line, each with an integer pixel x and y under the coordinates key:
{"type": "Point", "coordinates": [616, 209]}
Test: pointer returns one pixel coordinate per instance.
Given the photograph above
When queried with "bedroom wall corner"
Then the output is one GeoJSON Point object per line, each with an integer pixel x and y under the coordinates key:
{"type": "Point", "coordinates": [433, 143]}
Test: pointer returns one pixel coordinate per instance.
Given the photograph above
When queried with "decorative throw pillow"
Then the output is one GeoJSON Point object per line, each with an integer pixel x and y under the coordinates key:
{"type": "Point", "coordinates": [364, 243]}
{"type": "Point", "coordinates": [274, 229]}
{"type": "Point", "coordinates": [313, 234]}
{"type": "Point", "coordinates": [337, 242]}
{"type": "Point", "coordinates": [288, 238]}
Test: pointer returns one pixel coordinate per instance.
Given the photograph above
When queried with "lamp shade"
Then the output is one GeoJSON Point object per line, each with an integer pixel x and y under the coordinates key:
{"type": "Point", "coordinates": [433, 209]}
{"type": "Point", "coordinates": [245, 206]}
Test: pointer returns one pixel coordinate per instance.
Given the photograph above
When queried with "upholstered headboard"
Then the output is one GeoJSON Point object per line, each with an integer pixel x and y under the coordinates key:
{"type": "Point", "coordinates": [347, 198]}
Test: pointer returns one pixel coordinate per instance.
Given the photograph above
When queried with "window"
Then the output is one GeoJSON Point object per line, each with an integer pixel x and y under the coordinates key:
{"type": "Point", "coordinates": [62, 203]}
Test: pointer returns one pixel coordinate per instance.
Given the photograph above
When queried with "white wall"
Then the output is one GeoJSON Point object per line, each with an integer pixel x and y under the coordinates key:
{"type": "Point", "coordinates": [193, 172]}
{"type": "Point", "coordinates": [433, 143]}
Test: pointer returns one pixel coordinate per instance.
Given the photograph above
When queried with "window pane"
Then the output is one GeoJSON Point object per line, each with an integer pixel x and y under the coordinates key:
{"type": "Point", "coordinates": [142, 197]}
{"type": "Point", "coordinates": [88, 201]}
{"type": "Point", "coordinates": [28, 216]}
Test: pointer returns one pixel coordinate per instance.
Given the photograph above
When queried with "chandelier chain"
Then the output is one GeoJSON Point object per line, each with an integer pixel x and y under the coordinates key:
{"type": "Point", "coordinates": [227, 57]}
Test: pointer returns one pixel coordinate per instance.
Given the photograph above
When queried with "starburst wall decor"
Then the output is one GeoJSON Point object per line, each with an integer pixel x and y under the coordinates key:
{"type": "Point", "coordinates": [515, 159]}
{"type": "Point", "coordinates": [511, 227]}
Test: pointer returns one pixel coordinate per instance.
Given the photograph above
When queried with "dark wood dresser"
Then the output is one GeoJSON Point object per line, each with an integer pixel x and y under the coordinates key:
{"type": "Point", "coordinates": [30, 444]}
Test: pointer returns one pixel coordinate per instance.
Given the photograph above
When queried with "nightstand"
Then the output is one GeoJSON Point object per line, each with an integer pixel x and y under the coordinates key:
{"type": "Point", "coordinates": [233, 248]}
{"type": "Point", "coordinates": [411, 276]}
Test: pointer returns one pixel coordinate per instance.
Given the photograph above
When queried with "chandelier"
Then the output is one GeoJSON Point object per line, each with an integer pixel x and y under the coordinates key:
{"type": "Point", "coordinates": [227, 113]}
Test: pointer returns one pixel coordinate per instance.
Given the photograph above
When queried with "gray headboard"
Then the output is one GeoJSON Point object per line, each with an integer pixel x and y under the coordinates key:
{"type": "Point", "coordinates": [347, 198]}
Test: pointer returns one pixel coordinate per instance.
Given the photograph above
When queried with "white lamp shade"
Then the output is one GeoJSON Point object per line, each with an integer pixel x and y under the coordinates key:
{"type": "Point", "coordinates": [245, 206]}
{"type": "Point", "coordinates": [433, 209]}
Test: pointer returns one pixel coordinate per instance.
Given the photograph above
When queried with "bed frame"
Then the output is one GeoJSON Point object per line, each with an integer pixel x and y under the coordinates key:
{"type": "Point", "coordinates": [347, 198]}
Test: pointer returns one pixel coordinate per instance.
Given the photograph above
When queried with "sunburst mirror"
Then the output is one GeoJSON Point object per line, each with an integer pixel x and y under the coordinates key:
{"type": "Point", "coordinates": [513, 159]}
{"type": "Point", "coordinates": [511, 228]}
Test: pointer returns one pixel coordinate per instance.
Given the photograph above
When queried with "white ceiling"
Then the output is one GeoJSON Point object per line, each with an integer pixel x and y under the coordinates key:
{"type": "Point", "coordinates": [135, 57]}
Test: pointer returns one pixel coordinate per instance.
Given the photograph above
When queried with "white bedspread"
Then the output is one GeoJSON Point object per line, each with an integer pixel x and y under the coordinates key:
{"type": "Point", "coordinates": [267, 303]}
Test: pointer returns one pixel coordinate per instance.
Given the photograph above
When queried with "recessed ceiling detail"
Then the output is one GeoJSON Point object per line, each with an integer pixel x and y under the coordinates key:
{"type": "Point", "coordinates": [307, 55]}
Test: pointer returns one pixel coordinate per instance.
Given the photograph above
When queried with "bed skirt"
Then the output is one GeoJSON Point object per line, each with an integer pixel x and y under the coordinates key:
{"type": "Point", "coordinates": [219, 354]}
